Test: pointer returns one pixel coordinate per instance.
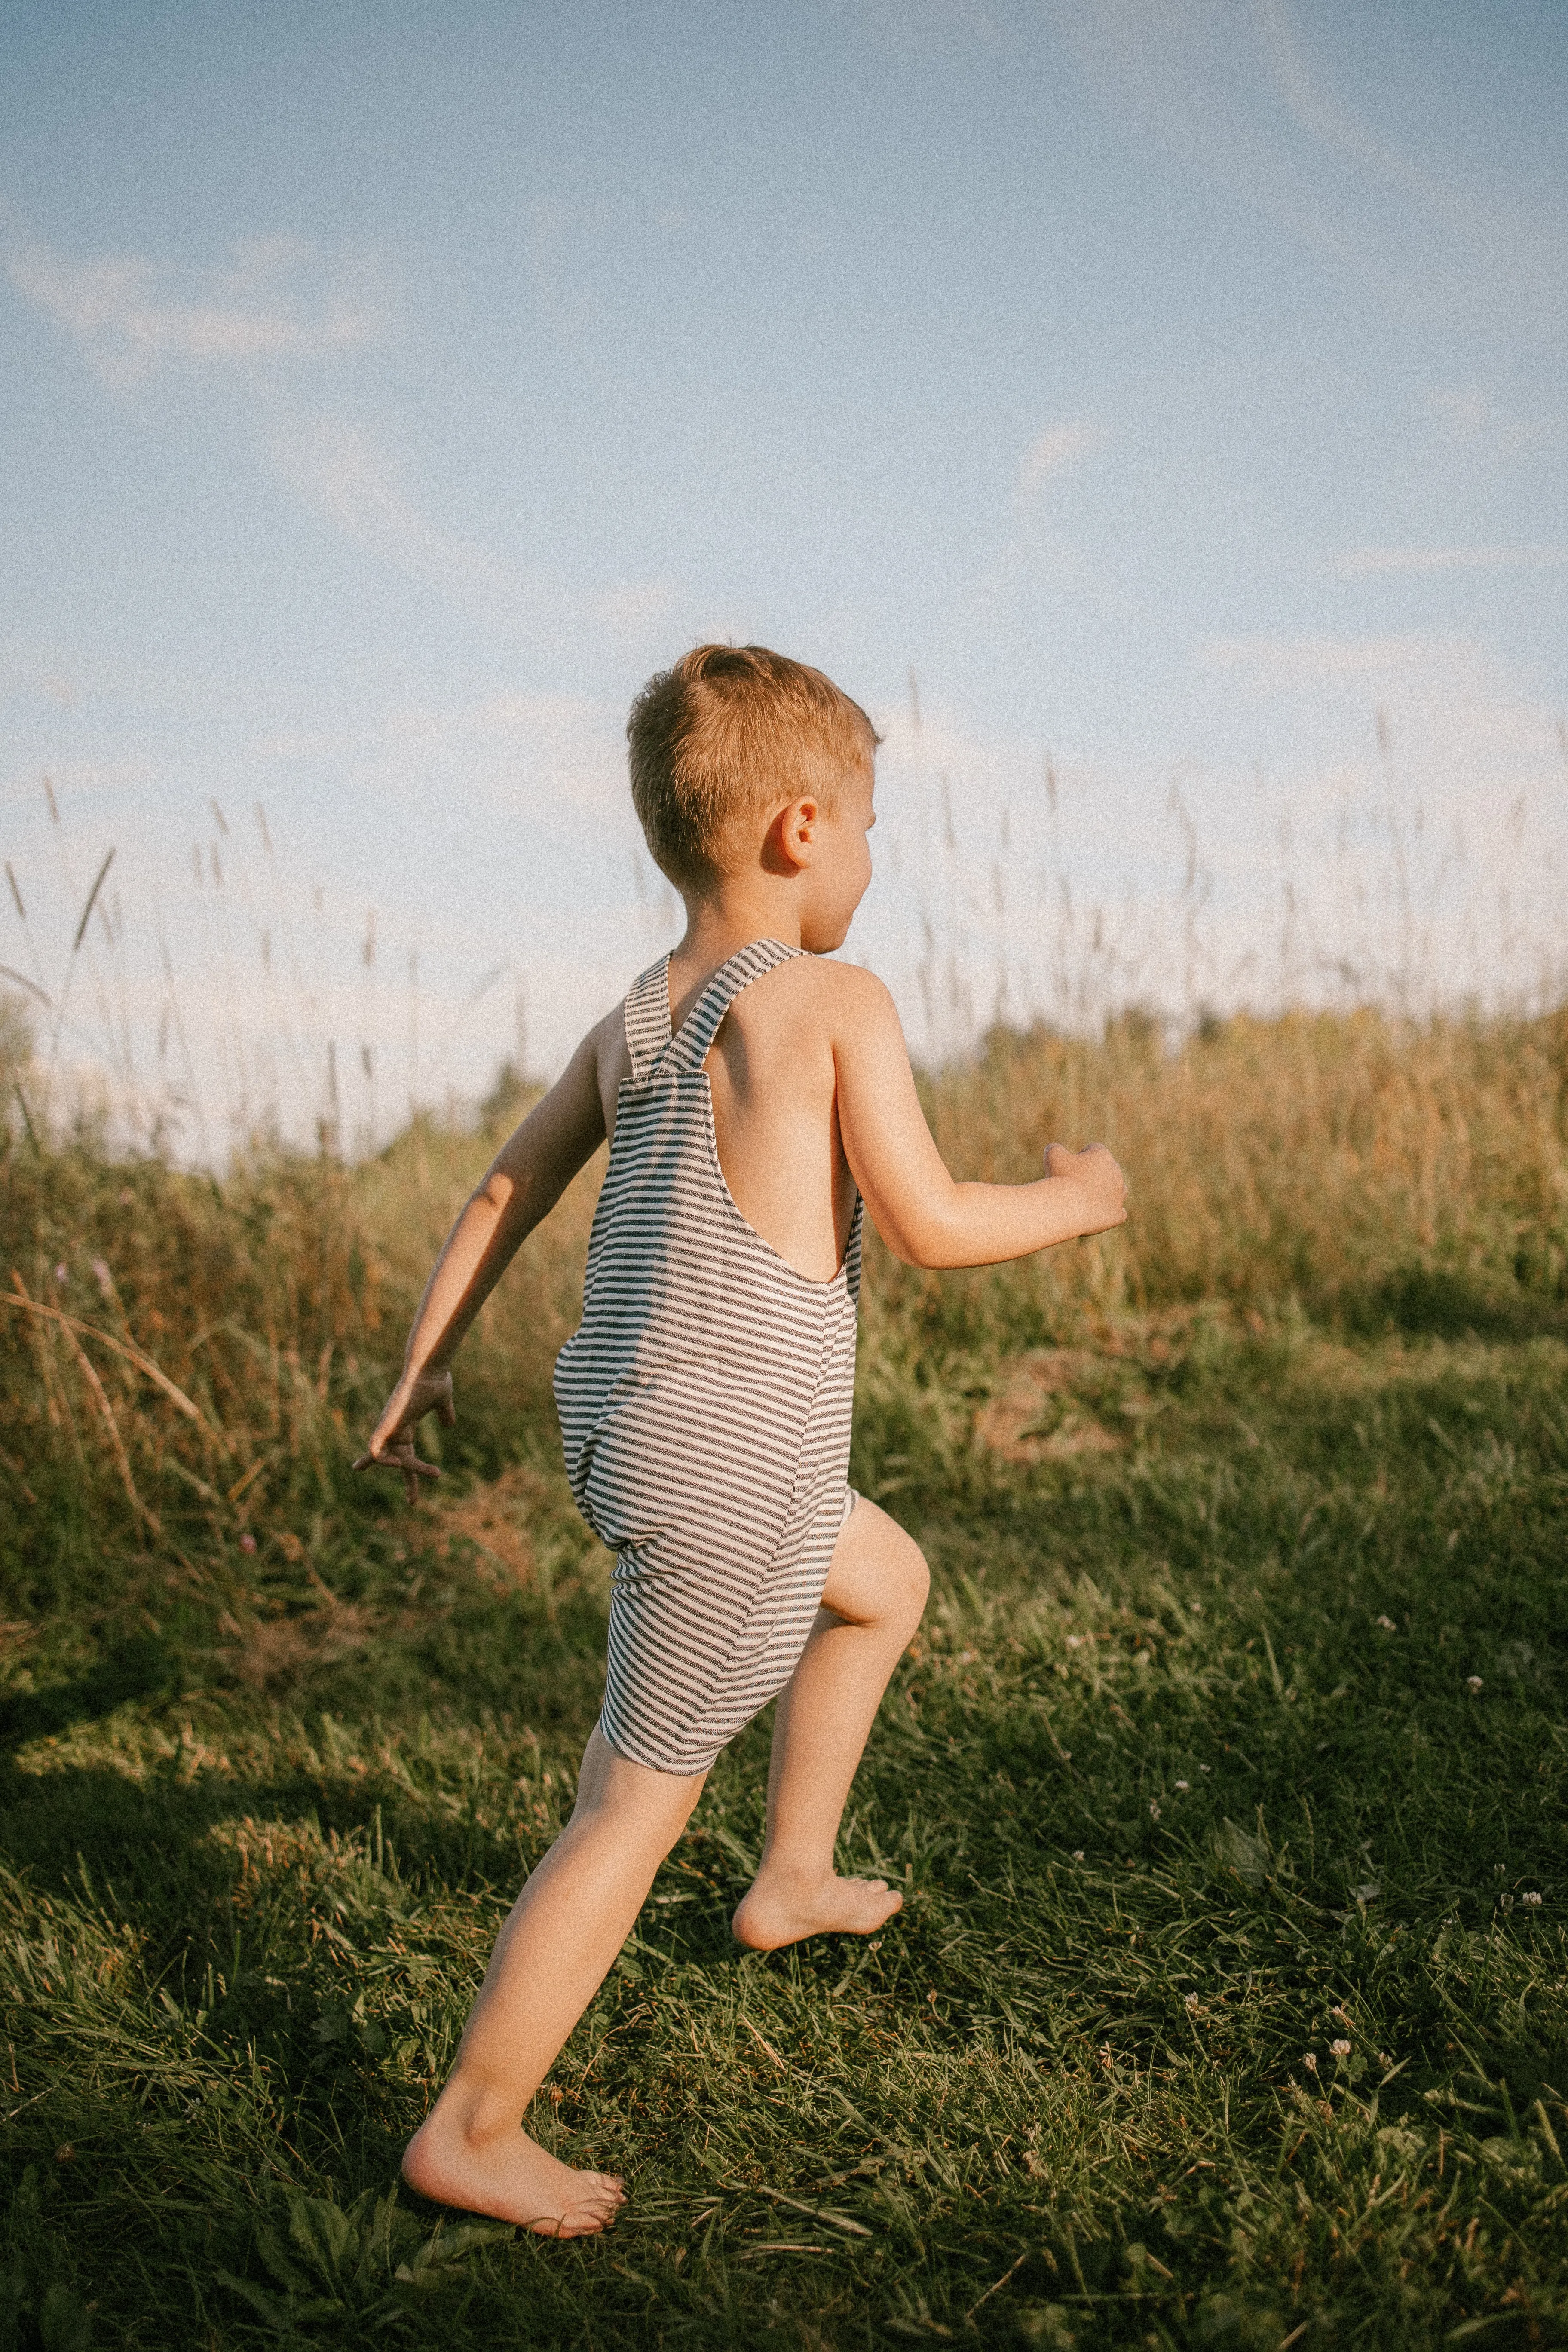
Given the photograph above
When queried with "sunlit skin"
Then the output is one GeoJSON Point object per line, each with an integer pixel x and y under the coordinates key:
{"type": "Point", "coordinates": [813, 1099]}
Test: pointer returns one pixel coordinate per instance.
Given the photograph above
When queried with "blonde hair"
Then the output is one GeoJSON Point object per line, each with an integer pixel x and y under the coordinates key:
{"type": "Point", "coordinates": [733, 730]}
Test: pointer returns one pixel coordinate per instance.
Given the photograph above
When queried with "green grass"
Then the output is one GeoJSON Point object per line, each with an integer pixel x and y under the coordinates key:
{"type": "Point", "coordinates": [1174, 1809]}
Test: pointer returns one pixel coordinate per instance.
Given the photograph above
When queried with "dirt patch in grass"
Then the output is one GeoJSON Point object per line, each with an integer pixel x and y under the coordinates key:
{"type": "Point", "coordinates": [493, 1528]}
{"type": "Point", "coordinates": [1033, 1415]}
{"type": "Point", "coordinates": [268, 1653]}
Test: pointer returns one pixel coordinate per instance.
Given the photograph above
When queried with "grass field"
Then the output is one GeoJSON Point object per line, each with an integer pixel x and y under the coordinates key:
{"type": "Point", "coordinates": [1226, 1781]}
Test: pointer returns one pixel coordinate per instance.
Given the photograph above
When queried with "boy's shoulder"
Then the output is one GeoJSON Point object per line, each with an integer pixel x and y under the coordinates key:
{"type": "Point", "coordinates": [817, 993]}
{"type": "Point", "coordinates": [810, 992]}
{"type": "Point", "coordinates": [838, 989]}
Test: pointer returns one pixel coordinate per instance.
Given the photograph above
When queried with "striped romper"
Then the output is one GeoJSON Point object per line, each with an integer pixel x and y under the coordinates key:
{"type": "Point", "coordinates": [705, 1405]}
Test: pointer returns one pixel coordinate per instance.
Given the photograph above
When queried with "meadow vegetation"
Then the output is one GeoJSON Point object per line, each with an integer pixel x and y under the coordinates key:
{"type": "Point", "coordinates": [1225, 1781]}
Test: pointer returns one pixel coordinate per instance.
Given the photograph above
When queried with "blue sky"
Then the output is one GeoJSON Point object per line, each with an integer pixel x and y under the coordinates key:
{"type": "Point", "coordinates": [1171, 388]}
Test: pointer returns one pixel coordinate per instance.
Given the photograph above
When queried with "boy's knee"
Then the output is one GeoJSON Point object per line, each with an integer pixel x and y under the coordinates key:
{"type": "Point", "coordinates": [880, 1577]}
{"type": "Point", "coordinates": [913, 1579]}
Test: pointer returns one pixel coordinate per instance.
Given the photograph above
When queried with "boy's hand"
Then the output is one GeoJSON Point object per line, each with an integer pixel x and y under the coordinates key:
{"type": "Point", "coordinates": [392, 1442]}
{"type": "Point", "coordinates": [1098, 1181]}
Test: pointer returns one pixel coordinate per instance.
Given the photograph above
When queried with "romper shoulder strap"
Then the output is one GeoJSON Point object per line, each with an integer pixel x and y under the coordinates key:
{"type": "Point", "coordinates": [700, 1026]}
{"type": "Point", "coordinates": [648, 1018]}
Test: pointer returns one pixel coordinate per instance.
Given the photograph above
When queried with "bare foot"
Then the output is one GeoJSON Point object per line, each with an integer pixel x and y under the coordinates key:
{"type": "Point", "coordinates": [780, 1910]}
{"type": "Point", "coordinates": [512, 2177]}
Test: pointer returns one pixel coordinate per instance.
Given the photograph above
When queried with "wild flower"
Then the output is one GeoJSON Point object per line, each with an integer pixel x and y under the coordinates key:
{"type": "Point", "coordinates": [63, 1272]}
{"type": "Point", "coordinates": [1474, 1683]}
{"type": "Point", "coordinates": [1153, 1810]}
{"type": "Point", "coordinates": [1387, 1624]}
{"type": "Point", "coordinates": [1075, 1641]}
{"type": "Point", "coordinates": [1192, 2000]}
{"type": "Point", "coordinates": [103, 1278]}
{"type": "Point", "coordinates": [1078, 1853]}
{"type": "Point", "coordinates": [1309, 2063]}
{"type": "Point", "coordinates": [1340, 2048]}
{"type": "Point", "coordinates": [1184, 1784]}
{"type": "Point", "coordinates": [1532, 1899]}
{"type": "Point", "coordinates": [247, 1542]}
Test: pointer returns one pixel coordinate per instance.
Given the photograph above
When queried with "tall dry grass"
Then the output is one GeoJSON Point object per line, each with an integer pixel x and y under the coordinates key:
{"type": "Point", "coordinates": [182, 1358]}
{"type": "Point", "coordinates": [1339, 1159]}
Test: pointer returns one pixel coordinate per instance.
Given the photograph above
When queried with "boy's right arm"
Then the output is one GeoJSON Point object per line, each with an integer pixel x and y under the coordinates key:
{"type": "Point", "coordinates": [521, 1185]}
{"type": "Point", "coordinates": [922, 1214]}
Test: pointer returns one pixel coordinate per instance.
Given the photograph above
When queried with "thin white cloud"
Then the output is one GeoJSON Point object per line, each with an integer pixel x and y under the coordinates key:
{"type": "Point", "coordinates": [1467, 415]}
{"type": "Point", "coordinates": [1057, 446]}
{"type": "Point", "coordinates": [344, 475]}
{"type": "Point", "coordinates": [1229, 85]}
{"type": "Point", "coordinates": [129, 316]}
{"type": "Point", "coordinates": [1335, 125]}
{"type": "Point", "coordinates": [1361, 563]}
{"type": "Point", "coordinates": [1475, 419]}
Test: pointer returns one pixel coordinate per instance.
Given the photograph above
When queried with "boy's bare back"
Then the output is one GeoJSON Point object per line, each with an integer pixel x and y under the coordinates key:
{"type": "Point", "coordinates": [773, 1076]}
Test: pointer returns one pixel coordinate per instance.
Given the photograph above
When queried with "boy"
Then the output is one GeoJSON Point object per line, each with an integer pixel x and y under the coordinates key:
{"type": "Point", "coordinates": [753, 1094]}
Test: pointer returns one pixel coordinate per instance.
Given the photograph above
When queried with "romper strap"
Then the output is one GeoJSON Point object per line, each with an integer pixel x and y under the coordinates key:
{"type": "Point", "coordinates": [700, 1026]}
{"type": "Point", "coordinates": [648, 1018]}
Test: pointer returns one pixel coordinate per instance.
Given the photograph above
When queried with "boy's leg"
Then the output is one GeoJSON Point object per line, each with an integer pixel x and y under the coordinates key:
{"type": "Point", "coordinates": [555, 1949]}
{"type": "Point", "coordinates": [871, 1603]}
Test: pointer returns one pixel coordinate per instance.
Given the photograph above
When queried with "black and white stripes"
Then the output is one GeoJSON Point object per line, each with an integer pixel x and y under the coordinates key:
{"type": "Point", "coordinates": [705, 1405]}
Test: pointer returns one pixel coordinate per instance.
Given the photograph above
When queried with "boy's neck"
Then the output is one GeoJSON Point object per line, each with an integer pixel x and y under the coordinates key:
{"type": "Point", "coordinates": [739, 912]}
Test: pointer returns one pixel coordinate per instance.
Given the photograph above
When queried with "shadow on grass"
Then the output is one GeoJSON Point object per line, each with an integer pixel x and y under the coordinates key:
{"type": "Point", "coordinates": [1437, 1303]}
{"type": "Point", "coordinates": [149, 1841]}
{"type": "Point", "coordinates": [144, 1667]}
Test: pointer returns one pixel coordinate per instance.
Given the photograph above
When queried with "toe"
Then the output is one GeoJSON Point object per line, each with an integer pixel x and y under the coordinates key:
{"type": "Point", "coordinates": [600, 2215]}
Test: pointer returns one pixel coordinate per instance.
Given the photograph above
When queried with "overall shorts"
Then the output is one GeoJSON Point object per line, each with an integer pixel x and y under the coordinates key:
{"type": "Point", "coordinates": [705, 1405]}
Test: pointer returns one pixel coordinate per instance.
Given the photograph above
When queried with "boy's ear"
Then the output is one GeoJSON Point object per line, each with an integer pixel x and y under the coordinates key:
{"type": "Point", "coordinates": [795, 829]}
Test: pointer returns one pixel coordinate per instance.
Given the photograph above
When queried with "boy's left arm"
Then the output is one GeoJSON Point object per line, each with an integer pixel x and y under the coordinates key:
{"type": "Point", "coordinates": [923, 1215]}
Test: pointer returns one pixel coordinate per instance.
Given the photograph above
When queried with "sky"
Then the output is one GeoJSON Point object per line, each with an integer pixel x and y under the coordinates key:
{"type": "Point", "coordinates": [1152, 411]}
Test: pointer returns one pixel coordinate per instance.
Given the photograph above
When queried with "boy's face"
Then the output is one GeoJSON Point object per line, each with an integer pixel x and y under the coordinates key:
{"type": "Point", "coordinates": [835, 882]}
